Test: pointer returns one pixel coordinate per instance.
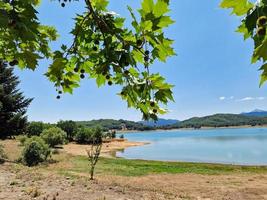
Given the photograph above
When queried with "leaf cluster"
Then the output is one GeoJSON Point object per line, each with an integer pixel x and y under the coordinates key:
{"type": "Point", "coordinates": [253, 25]}
{"type": "Point", "coordinates": [103, 48]}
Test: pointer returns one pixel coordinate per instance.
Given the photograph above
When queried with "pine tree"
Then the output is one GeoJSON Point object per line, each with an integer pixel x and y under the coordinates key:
{"type": "Point", "coordinates": [13, 105]}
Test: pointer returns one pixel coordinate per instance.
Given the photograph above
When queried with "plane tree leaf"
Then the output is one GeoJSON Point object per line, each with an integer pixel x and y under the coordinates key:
{"type": "Point", "coordinates": [103, 48]}
{"type": "Point", "coordinates": [253, 25]}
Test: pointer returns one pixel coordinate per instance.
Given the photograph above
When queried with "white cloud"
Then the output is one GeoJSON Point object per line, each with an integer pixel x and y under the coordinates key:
{"type": "Point", "coordinates": [246, 99]}
{"type": "Point", "coordinates": [251, 98]}
{"type": "Point", "coordinates": [226, 98]}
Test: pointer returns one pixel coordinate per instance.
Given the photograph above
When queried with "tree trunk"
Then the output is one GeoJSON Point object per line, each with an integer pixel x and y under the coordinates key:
{"type": "Point", "coordinates": [92, 172]}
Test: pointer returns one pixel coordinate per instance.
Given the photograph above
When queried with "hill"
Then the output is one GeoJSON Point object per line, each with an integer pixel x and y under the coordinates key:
{"type": "Point", "coordinates": [256, 113]}
{"type": "Point", "coordinates": [160, 122]}
{"type": "Point", "coordinates": [111, 124]}
{"type": "Point", "coordinates": [219, 120]}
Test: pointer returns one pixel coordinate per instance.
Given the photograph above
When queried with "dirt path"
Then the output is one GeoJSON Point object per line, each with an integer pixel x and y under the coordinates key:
{"type": "Point", "coordinates": [27, 184]}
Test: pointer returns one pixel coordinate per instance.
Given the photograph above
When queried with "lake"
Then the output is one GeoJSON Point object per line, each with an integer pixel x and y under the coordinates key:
{"type": "Point", "coordinates": [247, 146]}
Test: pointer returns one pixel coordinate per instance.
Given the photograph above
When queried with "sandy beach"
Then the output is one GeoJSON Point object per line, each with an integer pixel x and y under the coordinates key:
{"type": "Point", "coordinates": [109, 148]}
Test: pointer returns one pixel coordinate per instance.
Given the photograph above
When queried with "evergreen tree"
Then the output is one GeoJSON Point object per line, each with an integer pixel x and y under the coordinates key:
{"type": "Point", "coordinates": [13, 105]}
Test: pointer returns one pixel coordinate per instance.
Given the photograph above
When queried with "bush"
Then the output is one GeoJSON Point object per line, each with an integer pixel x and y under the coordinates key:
{"type": "Point", "coordinates": [83, 135]}
{"type": "Point", "coordinates": [3, 156]}
{"type": "Point", "coordinates": [35, 151]}
{"type": "Point", "coordinates": [53, 136]}
{"type": "Point", "coordinates": [121, 136]}
{"type": "Point", "coordinates": [70, 127]}
{"type": "Point", "coordinates": [35, 128]}
{"type": "Point", "coordinates": [111, 134]}
{"type": "Point", "coordinates": [22, 139]}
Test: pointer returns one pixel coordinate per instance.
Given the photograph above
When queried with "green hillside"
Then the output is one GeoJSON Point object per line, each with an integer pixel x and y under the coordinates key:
{"type": "Point", "coordinates": [109, 124]}
{"type": "Point", "coordinates": [220, 120]}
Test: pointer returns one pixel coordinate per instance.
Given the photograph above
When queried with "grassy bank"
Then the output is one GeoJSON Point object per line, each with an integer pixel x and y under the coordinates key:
{"type": "Point", "coordinates": [124, 167]}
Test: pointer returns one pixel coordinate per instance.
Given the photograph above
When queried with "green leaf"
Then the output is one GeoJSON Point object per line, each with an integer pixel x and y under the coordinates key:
{"type": "Point", "coordinates": [160, 8]}
{"type": "Point", "coordinates": [260, 52]}
{"type": "Point", "coordinates": [239, 7]}
{"type": "Point", "coordinates": [165, 21]}
{"type": "Point", "coordinates": [100, 4]}
{"type": "Point", "coordinates": [264, 74]}
{"type": "Point", "coordinates": [146, 25]}
{"type": "Point", "coordinates": [147, 6]}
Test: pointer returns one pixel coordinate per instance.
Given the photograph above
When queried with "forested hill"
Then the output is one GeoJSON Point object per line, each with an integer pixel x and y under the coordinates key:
{"type": "Point", "coordinates": [219, 120]}
{"type": "Point", "coordinates": [109, 124]}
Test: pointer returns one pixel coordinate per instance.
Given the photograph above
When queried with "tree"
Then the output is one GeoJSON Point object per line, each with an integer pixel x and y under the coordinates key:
{"type": "Point", "coordinates": [70, 127]}
{"type": "Point", "coordinates": [103, 48]}
{"type": "Point", "coordinates": [83, 135]}
{"type": "Point", "coordinates": [35, 128]}
{"type": "Point", "coordinates": [13, 105]}
{"type": "Point", "coordinates": [253, 25]}
{"type": "Point", "coordinates": [95, 149]}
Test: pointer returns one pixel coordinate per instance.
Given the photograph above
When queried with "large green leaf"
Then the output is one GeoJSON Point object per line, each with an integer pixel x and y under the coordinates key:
{"type": "Point", "coordinates": [239, 7]}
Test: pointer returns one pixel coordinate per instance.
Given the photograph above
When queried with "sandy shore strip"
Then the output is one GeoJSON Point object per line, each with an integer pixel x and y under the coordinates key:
{"type": "Point", "coordinates": [109, 148]}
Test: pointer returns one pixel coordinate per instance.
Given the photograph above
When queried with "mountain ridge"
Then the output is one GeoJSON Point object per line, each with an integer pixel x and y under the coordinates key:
{"type": "Point", "coordinates": [255, 113]}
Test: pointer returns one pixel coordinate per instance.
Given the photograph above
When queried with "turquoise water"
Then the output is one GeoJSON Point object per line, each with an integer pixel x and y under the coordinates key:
{"type": "Point", "coordinates": [246, 146]}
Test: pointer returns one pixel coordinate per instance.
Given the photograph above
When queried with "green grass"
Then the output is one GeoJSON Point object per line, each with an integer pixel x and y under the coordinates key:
{"type": "Point", "coordinates": [123, 167]}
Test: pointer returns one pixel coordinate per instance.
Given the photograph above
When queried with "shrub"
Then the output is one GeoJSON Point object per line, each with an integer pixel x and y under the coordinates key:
{"type": "Point", "coordinates": [35, 128]}
{"type": "Point", "coordinates": [111, 134]}
{"type": "Point", "coordinates": [22, 139]}
{"type": "Point", "coordinates": [121, 136]}
{"type": "Point", "coordinates": [35, 151]}
{"type": "Point", "coordinates": [3, 155]}
{"type": "Point", "coordinates": [53, 136]}
{"type": "Point", "coordinates": [70, 127]}
{"type": "Point", "coordinates": [83, 135]}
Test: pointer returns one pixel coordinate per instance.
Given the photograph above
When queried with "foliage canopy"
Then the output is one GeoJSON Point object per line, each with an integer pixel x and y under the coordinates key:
{"type": "Point", "coordinates": [103, 48]}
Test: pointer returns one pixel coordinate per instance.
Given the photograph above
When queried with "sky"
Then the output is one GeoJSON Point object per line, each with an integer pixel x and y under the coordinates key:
{"type": "Point", "coordinates": [211, 72]}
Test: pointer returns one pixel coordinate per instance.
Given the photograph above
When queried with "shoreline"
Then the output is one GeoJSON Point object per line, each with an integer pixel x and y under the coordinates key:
{"type": "Point", "coordinates": [181, 129]}
{"type": "Point", "coordinates": [109, 148]}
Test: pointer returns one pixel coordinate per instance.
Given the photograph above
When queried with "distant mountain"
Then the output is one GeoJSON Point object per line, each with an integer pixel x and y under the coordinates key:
{"type": "Point", "coordinates": [219, 120]}
{"type": "Point", "coordinates": [160, 122]}
{"type": "Point", "coordinates": [256, 113]}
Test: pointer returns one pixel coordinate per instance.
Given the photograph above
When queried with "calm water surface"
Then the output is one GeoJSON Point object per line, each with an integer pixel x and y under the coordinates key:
{"type": "Point", "coordinates": [234, 146]}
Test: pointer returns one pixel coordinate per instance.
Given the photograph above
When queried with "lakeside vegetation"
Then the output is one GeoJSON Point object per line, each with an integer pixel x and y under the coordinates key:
{"type": "Point", "coordinates": [111, 124]}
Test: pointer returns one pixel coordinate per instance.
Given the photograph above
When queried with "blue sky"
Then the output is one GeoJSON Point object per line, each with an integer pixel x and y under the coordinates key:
{"type": "Point", "coordinates": [211, 72]}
